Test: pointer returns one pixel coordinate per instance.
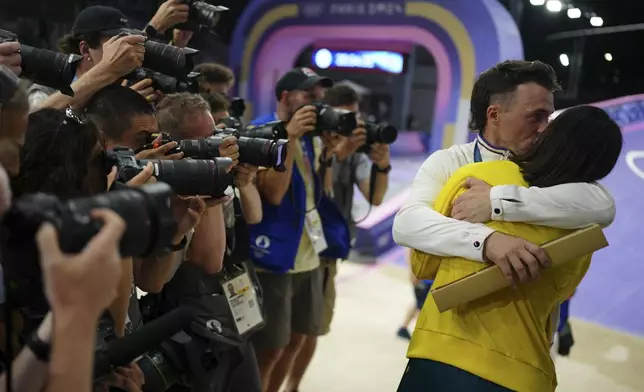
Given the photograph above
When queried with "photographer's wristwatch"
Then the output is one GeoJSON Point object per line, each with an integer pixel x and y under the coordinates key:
{"type": "Point", "coordinates": [384, 170]}
{"type": "Point", "coordinates": [175, 248]}
{"type": "Point", "coordinates": [153, 34]}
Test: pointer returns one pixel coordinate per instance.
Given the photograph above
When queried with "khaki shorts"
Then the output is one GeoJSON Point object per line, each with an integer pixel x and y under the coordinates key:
{"type": "Point", "coordinates": [293, 303]}
{"type": "Point", "coordinates": [329, 269]}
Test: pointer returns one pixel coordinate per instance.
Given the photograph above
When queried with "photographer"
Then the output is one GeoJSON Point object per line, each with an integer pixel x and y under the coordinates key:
{"type": "Point", "coordinates": [215, 78]}
{"type": "Point", "coordinates": [78, 287]}
{"type": "Point", "coordinates": [349, 168]}
{"type": "Point", "coordinates": [219, 106]}
{"type": "Point", "coordinates": [299, 223]}
{"type": "Point", "coordinates": [188, 116]}
{"type": "Point", "coordinates": [48, 164]}
{"type": "Point", "coordinates": [126, 119]}
{"type": "Point", "coordinates": [105, 59]}
{"type": "Point", "coordinates": [93, 29]}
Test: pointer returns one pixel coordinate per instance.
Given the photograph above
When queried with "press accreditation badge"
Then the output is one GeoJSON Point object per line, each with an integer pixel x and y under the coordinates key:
{"type": "Point", "coordinates": [313, 227]}
{"type": "Point", "coordinates": [243, 304]}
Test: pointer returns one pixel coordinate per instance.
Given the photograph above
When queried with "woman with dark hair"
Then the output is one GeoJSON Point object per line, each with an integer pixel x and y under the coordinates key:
{"type": "Point", "coordinates": [501, 342]}
{"type": "Point", "coordinates": [60, 157]}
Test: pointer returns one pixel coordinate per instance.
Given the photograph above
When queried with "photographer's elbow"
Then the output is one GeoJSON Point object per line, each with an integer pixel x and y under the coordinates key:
{"type": "Point", "coordinates": [214, 265]}
{"type": "Point", "coordinates": [254, 219]}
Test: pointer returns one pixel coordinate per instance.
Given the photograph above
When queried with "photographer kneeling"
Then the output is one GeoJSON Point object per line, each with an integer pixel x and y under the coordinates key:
{"type": "Point", "coordinates": [231, 315]}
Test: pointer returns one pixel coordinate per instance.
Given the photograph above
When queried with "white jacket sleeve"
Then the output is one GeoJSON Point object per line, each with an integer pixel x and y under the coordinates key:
{"type": "Point", "coordinates": [418, 226]}
{"type": "Point", "coordinates": [566, 206]}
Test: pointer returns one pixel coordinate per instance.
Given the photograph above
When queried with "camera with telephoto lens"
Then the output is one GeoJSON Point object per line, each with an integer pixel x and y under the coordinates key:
{"type": "Point", "coordinates": [164, 83]}
{"type": "Point", "coordinates": [254, 151]}
{"type": "Point", "coordinates": [273, 130]}
{"type": "Point", "coordinates": [336, 120]}
{"type": "Point", "coordinates": [378, 134]}
{"type": "Point", "coordinates": [201, 14]}
{"type": "Point", "coordinates": [146, 211]}
{"type": "Point", "coordinates": [165, 59]}
{"type": "Point", "coordinates": [46, 67]}
{"type": "Point", "coordinates": [186, 177]}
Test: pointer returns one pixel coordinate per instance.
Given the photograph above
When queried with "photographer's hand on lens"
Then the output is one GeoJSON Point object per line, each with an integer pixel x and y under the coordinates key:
{"type": "Point", "coordinates": [188, 212]}
{"type": "Point", "coordinates": [10, 56]}
{"type": "Point", "coordinates": [229, 149]}
{"type": "Point", "coordinates": [170, 13]}
{"type": "Point", "coordinates": [350, 145]}
{"type": "Point", "coordinates": [302, 122]}
{"type": "Point", "coordinates": [123, 54]}
{"type": "Point", "coordinates": [130, 379]}
{"type": "Point", "coordinates": [145, 88]}
{"type": "Point", "coordinates": [84, 283]}
{"type": "Point", "coordinates": [161, 151]}
{"type": "Point", "coordinates": [380, 155]}
{"type": "Point", "coordinates": [245, 175]}
{"type": "Point", "coordinates": [144, 177]}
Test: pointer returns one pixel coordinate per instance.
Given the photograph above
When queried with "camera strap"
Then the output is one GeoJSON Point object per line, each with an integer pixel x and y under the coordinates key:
{"type": "Point", "coordinates": [372, 188]}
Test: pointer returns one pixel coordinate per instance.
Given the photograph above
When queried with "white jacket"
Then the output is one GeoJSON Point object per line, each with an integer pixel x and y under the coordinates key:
{"type": "Point", "coordinates": [418, 226]}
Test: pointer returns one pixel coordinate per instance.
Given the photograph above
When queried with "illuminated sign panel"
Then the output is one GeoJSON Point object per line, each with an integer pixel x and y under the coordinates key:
{"type": "Point", "coordinates": [376, 60]}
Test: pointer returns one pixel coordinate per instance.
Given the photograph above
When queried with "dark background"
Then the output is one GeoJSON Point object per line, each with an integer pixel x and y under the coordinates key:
{"type": "Point", "coordinates": [42, 22]}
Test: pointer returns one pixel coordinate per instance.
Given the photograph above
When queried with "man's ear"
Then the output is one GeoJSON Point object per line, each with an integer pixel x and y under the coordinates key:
{"type": "Point", "coordinates": [83, 48]}
{"type": "Point", "coordinates": [493, 112]}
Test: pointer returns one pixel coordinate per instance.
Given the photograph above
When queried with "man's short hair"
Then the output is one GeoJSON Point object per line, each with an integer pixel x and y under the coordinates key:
{"type": "Point", "coordinates": [499, 82]}
{"type": "Point", "coordinates": [113, 108]}
{"type": "Point", "coordinates": [341, 95]}
{"type": "Point", "coordinates": [214, 73]}
{"type": "Point", "coordinates": [218, 102]}
{"type": "Point", "coordinates": [174, 109]}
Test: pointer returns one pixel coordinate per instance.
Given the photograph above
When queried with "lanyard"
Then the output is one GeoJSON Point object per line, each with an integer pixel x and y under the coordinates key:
{"type": "Point", "coordinates": [477, 153]}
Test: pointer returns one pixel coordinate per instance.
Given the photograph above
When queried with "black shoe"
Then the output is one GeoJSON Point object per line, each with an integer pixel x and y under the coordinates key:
{"type": "Point", "coordinates": [566, 341]}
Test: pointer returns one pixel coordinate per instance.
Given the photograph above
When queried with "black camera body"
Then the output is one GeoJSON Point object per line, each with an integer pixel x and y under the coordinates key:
{"type": "Point", "coordinates": [164, 83]}
{"type": "Point", "coordinates": [46, 67]}
{"type": "Point", "coordinates": [378, 134]}
{"type": "Point", "coordinates": [336, 120]}
{"type": "Point", "coordinates": [237, 108]}
{"type": "Point", "coordinates": [165, 59]}
{"type": "Point", "coordinates": [152, 143]}
{"type": "Point", "coordinates": [201, 14]}
{"type": "Point", "coordinates": [146, 211]}
{"type": "Point", "coordinates": [186, 177]}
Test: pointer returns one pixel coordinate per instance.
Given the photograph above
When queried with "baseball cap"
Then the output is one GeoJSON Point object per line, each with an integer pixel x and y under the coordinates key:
{"type": "Point", "coordinates": [98, 18]}
{"type": "Point", "coordinates": [300, 79]}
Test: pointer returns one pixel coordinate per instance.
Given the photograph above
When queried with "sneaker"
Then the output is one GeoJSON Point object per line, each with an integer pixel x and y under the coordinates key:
{"type": "Point", "coordinates": [403, 333]}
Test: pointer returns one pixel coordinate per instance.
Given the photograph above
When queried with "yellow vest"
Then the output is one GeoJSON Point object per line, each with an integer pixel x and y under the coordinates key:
{"type": "Point", "coordinates": [505, 336]}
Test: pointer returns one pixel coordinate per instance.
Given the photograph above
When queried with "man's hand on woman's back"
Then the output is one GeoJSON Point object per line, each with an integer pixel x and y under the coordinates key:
{"type": "Point", "coordinates": [518, 259]}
